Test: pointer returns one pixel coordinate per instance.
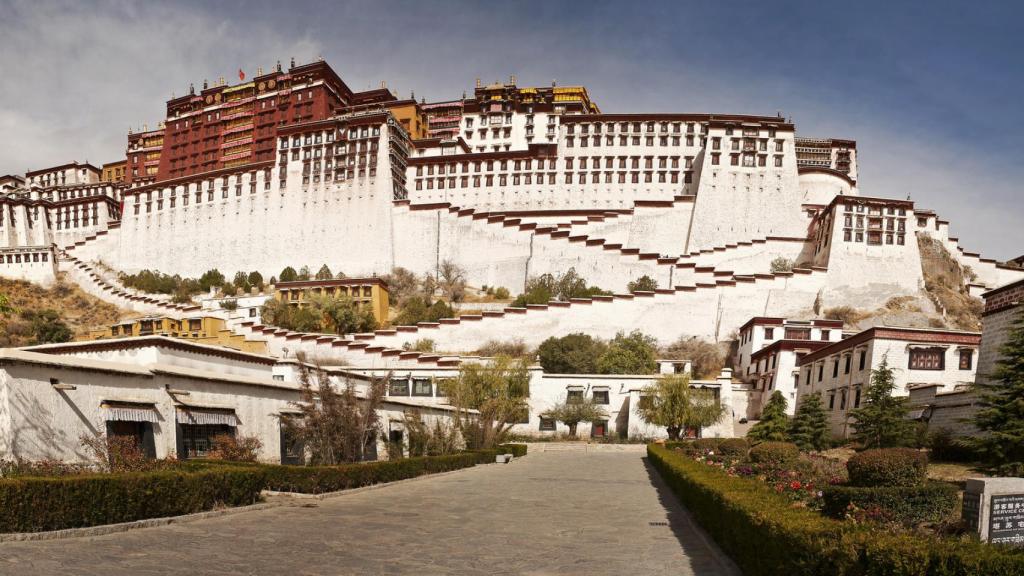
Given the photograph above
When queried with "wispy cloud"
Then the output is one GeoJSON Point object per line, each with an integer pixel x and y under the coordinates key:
{"type": "Point", "coordinates": [930, 97]}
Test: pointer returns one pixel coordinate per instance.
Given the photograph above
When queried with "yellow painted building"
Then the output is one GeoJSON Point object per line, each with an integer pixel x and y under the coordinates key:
{"type": "Point", "coordinates": [372, 292]}
{"type": "Point", "coordinates": [114, 171]}
{"type": "Point", "coordinates": [411, 117]}
{"type": "Point", "coordinates": [203, 329]}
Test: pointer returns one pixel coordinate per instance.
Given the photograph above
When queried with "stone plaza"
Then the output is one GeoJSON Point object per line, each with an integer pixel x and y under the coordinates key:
{"type": "Point", "coordinates": [560, 510]}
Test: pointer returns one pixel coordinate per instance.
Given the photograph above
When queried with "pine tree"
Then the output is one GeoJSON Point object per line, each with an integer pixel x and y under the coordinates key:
{"type": "Point", "coordinates": [809, 428]}
{"type": "Point", "coordinates": [882, 421]}
{"type": "Point", "coordinates": [1001, 417]}
{"type": "Point", "coordinates": [774, 424]}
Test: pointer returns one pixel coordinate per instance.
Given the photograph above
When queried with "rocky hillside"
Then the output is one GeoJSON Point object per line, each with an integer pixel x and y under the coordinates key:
{"type": "Point", "coordinates": [78, 310]}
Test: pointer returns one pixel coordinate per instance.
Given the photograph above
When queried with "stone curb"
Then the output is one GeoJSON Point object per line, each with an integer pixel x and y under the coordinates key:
{"type": "Point", "coordinates": [186, 518]}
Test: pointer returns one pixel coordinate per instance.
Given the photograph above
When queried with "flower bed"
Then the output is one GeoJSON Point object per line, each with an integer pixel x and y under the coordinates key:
{"type": "Point", "coordinates": [766, 534]}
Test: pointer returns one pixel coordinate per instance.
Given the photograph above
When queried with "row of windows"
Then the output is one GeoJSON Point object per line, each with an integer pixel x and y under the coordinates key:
{"type": "Point", "coordinates": [320, 137]}
{"type": "Point", "coordinates": [26, 258]}
{"type": "Point", "coordinates": [595, 141]}
{"type": "Point", "coordinates": [748, 144]}
{"type": "Point", "coordinates": [570, 178]}
{"type": "Point", "coordinates": [648, 126]}
{"type": "Point", "coordinates": [749, 160]}
{"type": "Point", "coordinates": [570, 163]}
{"type": "Point", "coordinates": [918, 359]}
{"type": "Point", "coordinates": [874, 238]}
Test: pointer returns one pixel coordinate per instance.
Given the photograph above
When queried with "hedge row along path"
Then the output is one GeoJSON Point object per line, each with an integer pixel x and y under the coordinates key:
{"type": "Point", "coordinates": [549, 513]}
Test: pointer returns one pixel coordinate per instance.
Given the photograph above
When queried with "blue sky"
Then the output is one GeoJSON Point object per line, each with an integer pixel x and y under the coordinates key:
{"type": "Point", "coordinates": [928, 90]}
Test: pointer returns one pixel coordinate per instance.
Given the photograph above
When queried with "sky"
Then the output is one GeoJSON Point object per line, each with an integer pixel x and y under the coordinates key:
{"type": "Point", "coordinates": [930, 91]}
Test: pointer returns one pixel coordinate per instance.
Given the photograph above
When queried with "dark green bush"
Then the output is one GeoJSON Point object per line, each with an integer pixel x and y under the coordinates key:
{"type": "Point", "coordinates": [947, 448]}
{"type": "Point", "coordinates": [706, 444]}
{"type": "Point", "coordinates": [767, 536]}
{"type": "Point", "coordinates": [516, 450]}
{"type": "Point", "coordinates": [774, 454]}
{"type": "Point", "coordinates": [38, 504]}
{"type": "Point", "coordinates": [737, 447]}
{"type": "Point", "coordinates": [932, 502]}
{"type": "Point", "coordinates": [888, 467]}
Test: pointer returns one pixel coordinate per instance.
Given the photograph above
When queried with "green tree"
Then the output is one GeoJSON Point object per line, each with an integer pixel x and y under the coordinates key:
{"type": "Point", "coordinates": [1000, 418]}
{"type": "Point", "coordinates": [643, 284]}
{"type": "Point", "coordinates": [573, 411]}
{"type": "Point", "coordinates": [546, 287]}
{"type": "Point", "coordinates": [305, 273]}
{"type": "Point", "coordinates": [672, 403]}
{"type": "Point", "coordinates": [47, 326]}
{"type": "Point", "coordinates": [210, 279]}
{"type": "Point", "coordinates": [5, 306]}
{"type": "Point", "coordinates": [342, 316]}
{"type": "Point", "coordinates": [498, 393]}
{"type": "Point", "coordinates": [288, 274]}
{"type": "Point", "coordinates": [882, 421]}
{"type": "Point", "coordinates": [417, 309]}
{"type": "Point", "coordinates": [629, 354]}
{"type": "Point", "coordinates": [324, 273]}
{"type": "Point", "coordinates": [774, 423]}
{"type": "Point", "coordinates": [241, 281]}
{"type": "Point", "coordinates": [571, 354]}
{"type": "Point", "coordinates": [255, 279]}
{"type": "Point", "coordinates": [809, 428]}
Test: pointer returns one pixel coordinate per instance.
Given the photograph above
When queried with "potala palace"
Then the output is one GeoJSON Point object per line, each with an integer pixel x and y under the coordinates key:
{"type": "Point", "coordinates": [294, 168]}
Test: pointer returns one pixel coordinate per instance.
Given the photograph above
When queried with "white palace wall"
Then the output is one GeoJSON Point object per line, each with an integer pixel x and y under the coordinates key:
{"type": "Point", "coordinates": [345, 225]}
{"type": "Point", "coordinates": [742, 203]}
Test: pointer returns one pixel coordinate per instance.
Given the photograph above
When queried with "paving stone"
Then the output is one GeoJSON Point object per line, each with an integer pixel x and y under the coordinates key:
{"type": "Point", "coordinates": [549, 513]}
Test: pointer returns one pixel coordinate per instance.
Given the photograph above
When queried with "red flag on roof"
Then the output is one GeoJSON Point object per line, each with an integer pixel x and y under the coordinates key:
{"type": "Point", "coordinates": [241, 75]}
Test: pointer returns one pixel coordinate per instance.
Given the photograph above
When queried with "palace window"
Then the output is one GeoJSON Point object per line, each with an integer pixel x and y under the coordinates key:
{"type": "Point", "coordinates": [927, 359]}
{"type": "Point", "coordinates": [547, 424]}
{"type": "Point", "coordinates": [966, 359]}
{"type": "Point", "coordinates": [601, 397]}
{"type": "Point", "coordinates": [398, 387]}
{"type": "Point", "coordinates": [422, 387]}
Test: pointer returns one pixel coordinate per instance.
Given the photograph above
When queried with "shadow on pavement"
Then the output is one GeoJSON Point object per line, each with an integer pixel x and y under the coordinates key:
{"type": "Point", "coordinates": [706, 556]}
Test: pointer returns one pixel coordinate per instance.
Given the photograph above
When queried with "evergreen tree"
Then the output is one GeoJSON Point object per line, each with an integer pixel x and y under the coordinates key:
{"type": "Point", "coordinates": [1001, 417]}
{"type": "Point", "coordinates": [255, 280]}
{"type": "Point", "coordinates": [882, 421]}
{"type": "Point", "coordinates": [809, 428]}
{"type": "Point", "coordinates": [324, 273]}
{"type": "Point", "coordinates": [774, 424]}
{"type": "Point", "coordinates": [288, 274]}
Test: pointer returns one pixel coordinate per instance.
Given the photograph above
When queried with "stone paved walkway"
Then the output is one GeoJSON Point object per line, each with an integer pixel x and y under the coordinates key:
{"type": "Point", "coordinates": [549, 513]}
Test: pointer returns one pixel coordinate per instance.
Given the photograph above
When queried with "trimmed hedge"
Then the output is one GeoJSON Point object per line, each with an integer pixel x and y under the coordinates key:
{"type": "Point", "coordinates": [766, 535]}
{"type": "Point", "coordinates": [39, 504]}
{"type": "Point", "coordinates": [888, 467]}
{"type": "Point", "coordinates": [932, 502]}
{"type": "Point", "coordinates": [706, 444]}
{"type": "Point", "coordinates": [320, 479]}
{"type": "Point", "coordinates": [775, 454]}
{"type": "Point", "coordinates": [516, 450]}
{"type": "Point", "coordinates": [734, 447]}
{"type": "Point", "coordinates": [58, 503]}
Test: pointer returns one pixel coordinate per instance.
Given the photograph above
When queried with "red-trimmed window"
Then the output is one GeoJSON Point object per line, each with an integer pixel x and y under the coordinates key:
{"type": "Point", "coordinates": [927, 359]}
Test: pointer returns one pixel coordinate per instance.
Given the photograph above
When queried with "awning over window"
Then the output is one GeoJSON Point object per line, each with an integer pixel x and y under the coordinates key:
{"type": "Point", "coordinates": [115, 411]}
{"type": "Point", "coordinates": [199, 415]}
{"type": "Point", "coordinates": [601, 388]}
{"type": "Point", "coordinates": [919, 414]}
{"type": "Point", "coordinates": [574, 387]}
